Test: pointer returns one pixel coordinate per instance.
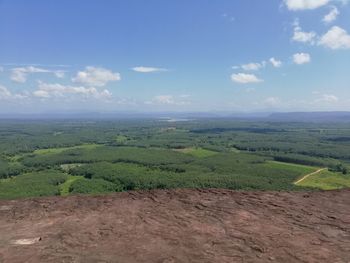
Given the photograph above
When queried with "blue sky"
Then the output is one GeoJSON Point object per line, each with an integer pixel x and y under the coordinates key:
{"type": "Point", "coordinates": [183, 55]}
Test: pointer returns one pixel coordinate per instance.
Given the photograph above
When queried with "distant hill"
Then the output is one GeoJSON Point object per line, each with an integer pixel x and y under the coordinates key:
{"type": "Point", "coordinates": [332, 116]}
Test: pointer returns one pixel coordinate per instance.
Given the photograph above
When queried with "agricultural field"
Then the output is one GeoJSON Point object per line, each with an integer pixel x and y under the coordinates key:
{"type": "Point", "coordinates": [326, 180]}
{"type": "Point", "coordinates": [197, 152]}
{"type": "Point", "coordinates": [44, 158]}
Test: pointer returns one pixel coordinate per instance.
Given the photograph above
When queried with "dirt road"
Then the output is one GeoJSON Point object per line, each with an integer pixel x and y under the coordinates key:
{"type": "Point", "coordinates": [306, 176]}
{"type": "Point", "coordinates": [178, 226]}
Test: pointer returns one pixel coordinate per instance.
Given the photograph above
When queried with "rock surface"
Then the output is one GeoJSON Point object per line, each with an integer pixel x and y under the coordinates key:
{"type": "Point", "coordinates": [178, 226]}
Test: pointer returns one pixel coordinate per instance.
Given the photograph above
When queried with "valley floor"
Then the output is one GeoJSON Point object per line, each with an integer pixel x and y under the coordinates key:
{"type": "Point", "coordinates": [208, 225]}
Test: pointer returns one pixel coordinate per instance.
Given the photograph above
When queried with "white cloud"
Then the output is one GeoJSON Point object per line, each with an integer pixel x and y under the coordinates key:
{"type": "Point", "coordinates": [255, 66]}
{"type": "Point", "coordinates": [335, 38]}
{"type": "Point", "coordinates": [301, 58]}
{"type": "Point", "coordinates": [327, 98]}
{"type": "Point", "coordinates": [245, 78]}
{"type": "Point", "coordinates": [41, 94]}
{"type": "Point", "coordinates": [331, 16]}
{"type": "Point", "coordinates": [305, 37]}
{"type": "Point", "coordinates": [1, 69]}
{"type": "Point", "coordinates": [170, 100]}
{"type": "Point", "coordinates": [148, 69]}
{"type": "Point", "coordinates": [46, 90]}
{"type": "Point", "coordinates": [272, 101]}
{"type": "Point", "coordinates": [301, 36]}
{"type": "Point", "coordinates": [96, 77]}
{"type": "Point", "coordinates": [252, 66]}
{"type": "Point", "coordinates": [4, 92]}
{"type": "Point", "coordinates": [164, 99]}
{"type": "Point", "coordinates": [59, 74]}
{"type": "Point", "coordinates": [305, 4]}
{"type": "Point", "coordinates": [276, 63]}
{"type": "Point", "coordinates": [20, 74]}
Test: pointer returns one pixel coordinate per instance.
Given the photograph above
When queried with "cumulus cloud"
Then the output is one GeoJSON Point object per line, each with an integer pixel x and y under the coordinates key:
{"type": "Point", "coordinates": [59, 74]}
{"type": "Point", "coordinates": [96, 77]}
{"type": "Point", "coordinates": [335, 38]}
{"type": "Point", "coordinates": [170, 100]}
{"type": "Point", "coordinates": [245, 78]}
{"type": "Point", "coordinates": [5, 94]}
{"type": "Point", "coordinates": [20, 74]}
{"type": "Point", "coordinates": [327, 98]}
{"type": "Point", "coordinates": [276, 63]}
{"type": "Point", "coordinates": [47, 90]}
{"type": "Point", "coordinates": [302, 36]}
{"type": "Point", "coordinates": [301, 58]}
{"type": "Point", "coordinates": [272, 101]}
{"type": "Point", "coordinates": [331, 16]}
{"type": "Point", "coordinates": [148, 69]}
{"type": "Point", "coordinates": [41, 94]}
{"type": "Point", "coordinates": [164, 99]}
{"type": "Point", "coordinates": [253, 66]}
{"type": "Point", "coordinates": [305, 4]}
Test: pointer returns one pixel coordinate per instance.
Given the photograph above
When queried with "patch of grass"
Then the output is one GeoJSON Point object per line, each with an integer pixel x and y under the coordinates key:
{"type": "Point", "coordinates": [62, 149]}
{"type": "Point", "coordinates": [327, 180]}
{"type": "Point", "coordinates": [64, 188]}
{"type": "Point", "coordinates": [198, 152]}
{"type": "Point", "coordinates": [48, 151]}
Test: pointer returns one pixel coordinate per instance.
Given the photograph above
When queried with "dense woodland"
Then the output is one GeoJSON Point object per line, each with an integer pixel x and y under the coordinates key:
{"type": "Point", "coordinates": [39, 158]}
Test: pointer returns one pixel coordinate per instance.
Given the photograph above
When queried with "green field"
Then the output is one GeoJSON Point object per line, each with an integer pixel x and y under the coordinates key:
{"type": "Point", "coordinates": [197, 152]}
{"type": "Point", "coordinates": [326, 180]}
{"type": "Point", "coordinates": [62, 149]}
{"type": "Point", "coordinates": [62, 158]}
{"type": "Point", "coordinates": [64, 187]}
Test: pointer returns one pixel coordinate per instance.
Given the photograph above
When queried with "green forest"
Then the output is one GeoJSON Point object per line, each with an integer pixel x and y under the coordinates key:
{"type": "Point", "coordinates": [46, 157]}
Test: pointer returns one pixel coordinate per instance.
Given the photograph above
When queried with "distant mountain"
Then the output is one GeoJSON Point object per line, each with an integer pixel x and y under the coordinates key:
{"type": "Point", "coordinates": [331, 116]}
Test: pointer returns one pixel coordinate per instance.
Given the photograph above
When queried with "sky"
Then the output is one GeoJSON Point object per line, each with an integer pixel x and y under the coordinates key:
{"type": "Point", "coordinates": [176, 55]}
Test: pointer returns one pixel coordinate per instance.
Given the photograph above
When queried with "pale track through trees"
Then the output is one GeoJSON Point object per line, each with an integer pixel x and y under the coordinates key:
{"type": "Point", "coordinates": [306, 176]}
